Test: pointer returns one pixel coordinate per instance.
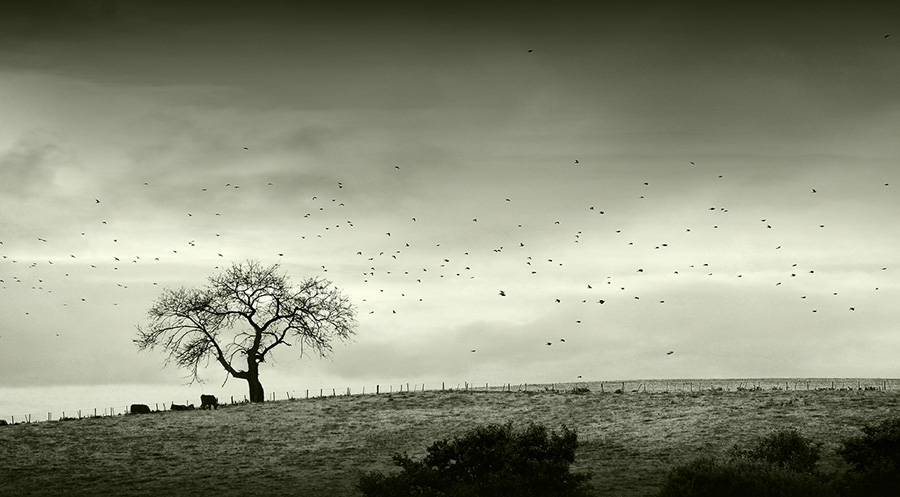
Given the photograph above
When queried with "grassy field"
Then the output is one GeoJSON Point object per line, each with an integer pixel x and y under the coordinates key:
{"type": "Point", "coordinates": [320, 446]}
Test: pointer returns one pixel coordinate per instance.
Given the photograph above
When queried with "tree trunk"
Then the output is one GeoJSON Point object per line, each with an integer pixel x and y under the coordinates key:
{"type": "Point", "coordinates": [257, 394]}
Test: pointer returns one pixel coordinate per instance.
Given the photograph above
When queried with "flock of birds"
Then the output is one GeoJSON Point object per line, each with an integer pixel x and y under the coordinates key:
{"type": "Point", "coordinates": [396, 255]}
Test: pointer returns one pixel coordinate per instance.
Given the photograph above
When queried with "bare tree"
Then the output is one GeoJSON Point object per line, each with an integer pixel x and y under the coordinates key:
{"type": "Point", "coordinates": [241, 316]}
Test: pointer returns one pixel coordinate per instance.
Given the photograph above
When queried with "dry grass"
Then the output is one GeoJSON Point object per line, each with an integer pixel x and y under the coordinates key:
{"type": "Point", "coordinates": [320, 446]}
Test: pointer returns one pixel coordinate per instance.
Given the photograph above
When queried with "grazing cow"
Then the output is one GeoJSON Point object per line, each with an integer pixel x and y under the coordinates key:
{"type": "Point", "coordinates": [140, 409]}
{"type": "Point", "coordinates": [3, 422]}
{"type": "Point", "coordinates": [178, 407]}
{"type": "Point", "coordinates": [209, 402]}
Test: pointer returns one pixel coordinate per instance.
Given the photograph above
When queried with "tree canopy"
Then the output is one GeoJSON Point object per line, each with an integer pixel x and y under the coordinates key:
{"type": "Point", "coordinates": [241, 316]}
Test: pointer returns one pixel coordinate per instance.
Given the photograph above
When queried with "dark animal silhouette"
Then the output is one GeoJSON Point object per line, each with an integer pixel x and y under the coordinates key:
{"type": "Point", "coordinates": [178, 407]}
{"type": "Point", "coordinates": [140, 409]}
{"type": "Point", "coordinates": [209, 402]}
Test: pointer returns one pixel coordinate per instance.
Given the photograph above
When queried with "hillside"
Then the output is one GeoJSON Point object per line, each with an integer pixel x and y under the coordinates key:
{"type": "Point", "coordinates": [320, 446]}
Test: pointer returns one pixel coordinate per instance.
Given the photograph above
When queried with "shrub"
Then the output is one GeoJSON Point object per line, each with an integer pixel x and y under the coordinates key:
{"type": "Point", "coordinates": [875, 461]}
{"type": "Point", "coordinates": [787, 449]}
{"type": "Point", "coordinates": [740, 477]}
{"type": "Point", "coordinates": [780, 464]}
{"type": "Point", "coordinates": [492, 460]}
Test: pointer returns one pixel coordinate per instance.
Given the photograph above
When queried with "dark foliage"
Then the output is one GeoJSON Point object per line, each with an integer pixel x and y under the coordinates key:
{"type": "Point", "coordinates": [875, 461]}
{"type": "Point", "coordinates": [780, 464]}
{"type": "Point", "coordinates": [740, 477]}
{"type": "Point", "coordinates": [492, 460]}
{"type": "Point", "coordinates": [787, 449]}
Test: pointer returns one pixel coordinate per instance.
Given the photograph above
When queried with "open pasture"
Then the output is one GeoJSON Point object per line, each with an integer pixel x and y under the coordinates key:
{"type": "Point", "coordinates": [320, 446]}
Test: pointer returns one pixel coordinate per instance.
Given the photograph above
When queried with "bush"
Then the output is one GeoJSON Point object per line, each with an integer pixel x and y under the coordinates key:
{"type": "Point", "coordinates": [875, 461]}
{"type": "Point", "coordinates": [740, 477]}
{"type": "Point", "coordinates": [492, 460]}
{"type": "Point", "coordinates": [787, 449]}
{"type": "Point", "coordinates": [780, 464]}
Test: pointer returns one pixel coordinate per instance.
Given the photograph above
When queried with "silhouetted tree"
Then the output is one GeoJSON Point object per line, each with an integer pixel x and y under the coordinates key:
{"type": "Point", "coordinates": [241, 315]}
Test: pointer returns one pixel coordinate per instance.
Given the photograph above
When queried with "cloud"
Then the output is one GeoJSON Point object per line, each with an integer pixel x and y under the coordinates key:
{"type": "Point", "coordinates": [30, 166]}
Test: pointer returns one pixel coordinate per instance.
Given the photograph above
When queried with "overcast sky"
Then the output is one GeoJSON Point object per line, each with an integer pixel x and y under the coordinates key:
{"type": "Point", "coordinates": [726, 180]}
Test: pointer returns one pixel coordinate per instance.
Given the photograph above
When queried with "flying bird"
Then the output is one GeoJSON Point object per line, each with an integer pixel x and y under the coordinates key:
{"type": "Point", "coordinates": [670, 352]}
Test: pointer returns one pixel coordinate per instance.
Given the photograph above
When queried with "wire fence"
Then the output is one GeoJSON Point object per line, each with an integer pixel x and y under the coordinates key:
{"type": "Point", "coordinates": [674, 386]}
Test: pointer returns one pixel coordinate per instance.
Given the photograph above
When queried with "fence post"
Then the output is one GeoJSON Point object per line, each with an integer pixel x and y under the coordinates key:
{"type": "Point", "coordinates": [48, 416]}
{"type": "Point", "coordinates": [442, 386]}
{"type": "Point", "coordinates": [232, 399]}
{"type": "Point", "coordinates": [13, 418]}
{"type": "Point", "coordinates": [95, 412]}
{"type": "Point", "coordinates": [377, 389]}
{"type": "Point", "coordinates": [307, 393]}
